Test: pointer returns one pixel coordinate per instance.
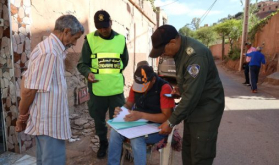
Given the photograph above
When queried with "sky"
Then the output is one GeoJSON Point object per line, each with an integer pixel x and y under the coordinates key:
{"type": "Point", "coordinates": [181, 12]}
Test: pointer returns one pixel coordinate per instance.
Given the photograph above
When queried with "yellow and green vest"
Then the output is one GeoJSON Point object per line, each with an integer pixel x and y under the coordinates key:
{"type": "Point", "coordinates": [106, 64]}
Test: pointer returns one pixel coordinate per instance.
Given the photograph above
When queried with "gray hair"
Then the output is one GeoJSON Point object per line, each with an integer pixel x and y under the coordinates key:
{"type": "Point", "coordinates": [68, 21]}
{"type": "Point", "coordinates": [259, 48]}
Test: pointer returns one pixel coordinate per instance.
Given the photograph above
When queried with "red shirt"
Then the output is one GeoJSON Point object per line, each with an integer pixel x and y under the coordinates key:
{"type": "Point", "coordinates": [164, 101]}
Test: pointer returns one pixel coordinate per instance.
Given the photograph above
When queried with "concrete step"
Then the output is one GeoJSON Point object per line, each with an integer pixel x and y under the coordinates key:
{"type": "Point", "coordinates": [273, 79]}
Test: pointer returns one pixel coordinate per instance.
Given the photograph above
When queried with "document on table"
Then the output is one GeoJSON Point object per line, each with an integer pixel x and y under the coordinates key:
{"type": "Point", "coordinates": [138, 131]}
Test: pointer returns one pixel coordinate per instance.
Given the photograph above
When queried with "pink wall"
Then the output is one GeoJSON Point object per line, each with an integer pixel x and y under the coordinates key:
{"type": "Point", "coordinates": [217, 50]}
{"type": "Point", "coordinates": [126, 19]}
{"type": "Point", "coordinates": [268, 37]}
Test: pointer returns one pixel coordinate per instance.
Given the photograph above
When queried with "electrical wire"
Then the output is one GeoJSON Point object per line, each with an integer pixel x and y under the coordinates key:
{"type": "Point", "coordinates": [169, 3]}
{"type": "Point", "coordinates": [207, 12]}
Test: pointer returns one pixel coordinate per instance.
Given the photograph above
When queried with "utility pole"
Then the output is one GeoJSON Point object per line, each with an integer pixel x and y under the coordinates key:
{"type": "Point", "coordinates": [223, 46]}
{"type": "Point", "coordinates": [244, 33]}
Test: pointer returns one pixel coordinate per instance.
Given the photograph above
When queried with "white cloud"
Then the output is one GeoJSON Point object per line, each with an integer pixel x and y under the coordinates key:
{"type": "Point", "coordinates": [179, 8]}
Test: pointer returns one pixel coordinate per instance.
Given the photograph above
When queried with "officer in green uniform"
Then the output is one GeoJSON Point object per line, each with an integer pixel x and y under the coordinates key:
{"type": "Point", "coordinates": [104, 57]}
{"type": "Point", "coordinates": [202, 95]}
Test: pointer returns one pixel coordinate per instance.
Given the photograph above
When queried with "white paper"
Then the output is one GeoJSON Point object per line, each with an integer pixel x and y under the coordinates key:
{"type": "Point", "coordinates": [120, 117]}
{"type": "Point", "coordinates": [138, 131]}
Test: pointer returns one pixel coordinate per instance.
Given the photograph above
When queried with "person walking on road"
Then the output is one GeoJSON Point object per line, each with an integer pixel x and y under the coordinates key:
{"type": "Point", "coordinates": [104, 57]}
{"type": "Point", "coordinates": [202, 95]}
{"type": "Point", "coordinates": [257, 59]}
{"type": "Point", "coordinates": [44, 102]}
{"type": "Point", "coordinates": [250, 49]}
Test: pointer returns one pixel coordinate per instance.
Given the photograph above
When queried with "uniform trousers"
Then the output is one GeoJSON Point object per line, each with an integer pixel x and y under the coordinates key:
{"type": "Point", "coordinates": [199, 142]}
{"type": "Point", "coordinates": [98, 107]}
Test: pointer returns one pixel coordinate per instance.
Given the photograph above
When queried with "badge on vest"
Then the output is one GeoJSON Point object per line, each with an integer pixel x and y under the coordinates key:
{"type": "Point", "coordinates": [190, 51]}
{"type": "Point", "coordinates": [193, 70]}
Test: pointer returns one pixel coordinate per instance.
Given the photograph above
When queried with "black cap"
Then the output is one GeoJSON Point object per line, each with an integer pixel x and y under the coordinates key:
{"type": "Point", "coordinates": [142, 63]}
{"type": "Point", "coordinates": [142, 77]}
{"type": "Point", "coordinates": [160, 38]}
{"type": "Point", "coordinates": [102, 19]}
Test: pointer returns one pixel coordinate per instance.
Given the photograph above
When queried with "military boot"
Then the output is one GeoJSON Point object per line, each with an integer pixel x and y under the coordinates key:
{"type": "Point", "coordinates": [102, 152]}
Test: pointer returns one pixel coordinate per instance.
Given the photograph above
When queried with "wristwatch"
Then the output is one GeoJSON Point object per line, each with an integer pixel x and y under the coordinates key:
{"type": "Point", "coordinates": [170, 124]}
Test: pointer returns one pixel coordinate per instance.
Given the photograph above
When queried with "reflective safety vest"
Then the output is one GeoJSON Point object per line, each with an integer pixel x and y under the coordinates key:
{"type": "Point", "coordinates": [106, 64]}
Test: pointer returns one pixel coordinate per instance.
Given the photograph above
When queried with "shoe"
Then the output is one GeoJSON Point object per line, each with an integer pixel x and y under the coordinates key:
{"type": "Point", "coordinates": [102, 152]}
{"type": "Point", "coordinates": [245, 83]}
{"type": "Point", "coordinates": [248, 84]}
{"type": "Point", "coordinates": [254, 91]}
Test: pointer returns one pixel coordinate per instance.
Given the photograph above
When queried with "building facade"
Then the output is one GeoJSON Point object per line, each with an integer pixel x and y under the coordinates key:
{"type": "Point", "coordinates": [24, 23]}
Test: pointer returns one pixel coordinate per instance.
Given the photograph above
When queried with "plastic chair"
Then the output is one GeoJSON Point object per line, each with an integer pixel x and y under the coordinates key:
{"type": "Point", "coordinates": [165, 153]}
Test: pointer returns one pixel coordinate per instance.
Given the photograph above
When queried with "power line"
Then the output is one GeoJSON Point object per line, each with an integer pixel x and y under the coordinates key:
{"type": "Point", "coordinates": [208, 9]}
{"type": "Point", "coordinates": [207, 12]}
{"type": "Point", "coordinates": [169, 3]}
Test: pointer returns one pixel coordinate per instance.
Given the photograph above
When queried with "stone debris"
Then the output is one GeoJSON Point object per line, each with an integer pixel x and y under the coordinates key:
{"type": "Point", "coordinates": [73, 140]}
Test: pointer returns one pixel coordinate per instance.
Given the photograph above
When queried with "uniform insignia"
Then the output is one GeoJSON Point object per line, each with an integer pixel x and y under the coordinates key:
{"type": "Point", "coordinates": [193, 70]}
{"type": "Point", "coordinates": [190, 51]}
{"type": "Point", "coordinates": [101, 17]}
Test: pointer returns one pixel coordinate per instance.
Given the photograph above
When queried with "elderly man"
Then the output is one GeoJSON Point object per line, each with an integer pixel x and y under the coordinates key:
{"type": "Point", "coordinates": [104, 57]}
{"type": "Point", "coordinates": [256, 60]}
{"type": "Point", "coordinates": [44, 92]}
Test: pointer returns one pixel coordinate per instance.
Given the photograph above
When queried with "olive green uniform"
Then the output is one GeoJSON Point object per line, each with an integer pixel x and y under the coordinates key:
{"type": "Point", "coordinates": [202, 101]}
{"type": "Point", "coordinates": [98, 105]}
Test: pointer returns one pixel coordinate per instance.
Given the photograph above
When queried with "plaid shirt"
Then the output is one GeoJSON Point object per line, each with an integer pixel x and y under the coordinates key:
{"type": "Point", "coordinates": [49, 113]}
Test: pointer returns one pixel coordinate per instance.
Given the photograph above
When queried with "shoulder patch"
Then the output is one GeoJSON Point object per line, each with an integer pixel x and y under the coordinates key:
{"type": "Point", "coordinates": [190, 51]}
{"type": "Point", "coordinates": [193, 70]}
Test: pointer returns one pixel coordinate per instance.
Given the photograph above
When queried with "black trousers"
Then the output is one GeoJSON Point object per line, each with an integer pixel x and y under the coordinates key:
{"type": "Point", "coordinates": [254, 76]}
{"type": "Point", "coordinates": [246, 73]}
{"type": "Point", "coordinates": [199, 142]}
{"type": "Point", "coordinates": [98, 107]}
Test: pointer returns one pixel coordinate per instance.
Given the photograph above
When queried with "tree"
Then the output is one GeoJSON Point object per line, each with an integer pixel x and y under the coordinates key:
{"type": "Point", "coordinates": [186, 31]}
{"type": "Point", "coordinates": [253, 18]}
{"type": "Point", "coordinates": [196, 23]}
{"type": "Point", "coordinates": [230, 29]}
{"type": "Point", "coordinates": [206, 35]}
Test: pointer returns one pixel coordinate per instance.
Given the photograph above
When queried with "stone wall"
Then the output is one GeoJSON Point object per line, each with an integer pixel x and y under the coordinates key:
{"type": "Point", "coordinates": [20, 11]}
{"type": "Point", "coordinates": [8, 83]}
{"type": "Point", "coordinates": [81, 122]}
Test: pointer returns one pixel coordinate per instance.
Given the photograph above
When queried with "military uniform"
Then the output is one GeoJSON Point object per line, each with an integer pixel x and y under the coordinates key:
{"type": "Point", "coordinates": [99, 104]}
{"type": "Point", "coordinates": [202, 103]}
